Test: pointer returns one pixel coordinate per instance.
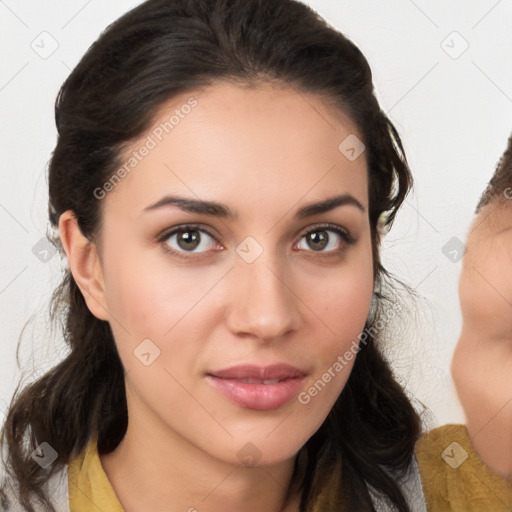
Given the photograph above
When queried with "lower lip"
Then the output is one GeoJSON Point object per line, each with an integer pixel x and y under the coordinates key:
{"type": "Point", "coordinates": [261, 397]}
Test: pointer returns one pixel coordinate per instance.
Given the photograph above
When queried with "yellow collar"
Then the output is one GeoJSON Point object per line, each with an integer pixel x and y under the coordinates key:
{"type": "Point", "coordinates": [88, 483]}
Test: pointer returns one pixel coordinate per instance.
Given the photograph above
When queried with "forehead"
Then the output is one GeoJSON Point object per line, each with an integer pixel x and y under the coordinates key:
{"type": "Point", "coordinates": [492, 219]}
{"type": "Point", "coordinates": [490, 236]}
{"type": "Point", "coordinates": [247, 145]}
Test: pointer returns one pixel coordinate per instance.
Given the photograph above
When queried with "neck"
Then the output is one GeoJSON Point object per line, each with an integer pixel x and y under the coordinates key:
{"type": "Point", "coordinates": [154, 468]}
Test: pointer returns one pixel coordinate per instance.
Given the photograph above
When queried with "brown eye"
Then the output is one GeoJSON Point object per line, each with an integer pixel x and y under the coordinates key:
{"type": "Point", "coordinates": [188, 240]}
{"type": "Point", "coordinates": [326, 239]}
{"type": "Point", "coordinates": [317, 240]}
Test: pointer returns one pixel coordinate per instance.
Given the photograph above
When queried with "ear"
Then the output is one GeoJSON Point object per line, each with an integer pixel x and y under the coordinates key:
{"type": "Point", "coordinates": [84, 264]}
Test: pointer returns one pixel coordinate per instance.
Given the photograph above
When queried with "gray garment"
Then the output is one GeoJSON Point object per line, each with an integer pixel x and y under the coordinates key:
{"type": "Point", "coordinates": [58, 487]}
{"type": "Point", "coordinates": [412, 489]}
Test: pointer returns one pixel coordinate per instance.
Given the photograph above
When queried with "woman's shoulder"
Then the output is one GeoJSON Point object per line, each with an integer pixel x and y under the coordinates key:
{"type": "Point", "coordinates": [454, 477]}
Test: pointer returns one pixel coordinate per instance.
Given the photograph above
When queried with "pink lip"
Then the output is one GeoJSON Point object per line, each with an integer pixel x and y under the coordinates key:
{"type": "Point", "coordinates": [232, 383]}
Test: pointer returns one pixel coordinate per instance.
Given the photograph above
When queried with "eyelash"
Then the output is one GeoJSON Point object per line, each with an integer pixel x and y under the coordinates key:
{"type": "Point", "coordinates": [343, 233]}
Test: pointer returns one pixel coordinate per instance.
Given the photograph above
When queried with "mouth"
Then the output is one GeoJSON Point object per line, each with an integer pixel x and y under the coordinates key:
{"type": "Point", "coordinates": [260, 388]}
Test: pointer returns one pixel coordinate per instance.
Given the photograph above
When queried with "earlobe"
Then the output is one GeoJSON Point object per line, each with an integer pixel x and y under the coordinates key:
{"type": "Point", "coordinates": [84, 264]}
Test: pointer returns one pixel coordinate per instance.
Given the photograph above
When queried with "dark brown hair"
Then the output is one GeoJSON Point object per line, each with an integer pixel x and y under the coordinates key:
{"type": "Point", "coordinates": [155, 51]}
{"type": "Point", "coordinates": [499, 188]}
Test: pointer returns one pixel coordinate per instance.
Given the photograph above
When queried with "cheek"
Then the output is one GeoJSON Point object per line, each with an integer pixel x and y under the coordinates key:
{"type": "Point", "coordinates": [346, 302]}
{"type": "Point", "coordinates": [345, 299]}
{"type": "Point", "coordinates": [485, 293]}
{"type": "Point", "coordinates": [168, 304]}
{"type": "Point", "coordinates": [345, 313]}
{"type": "Point", "coordinates": [149, 295]}
{"type": "Point", "coordinates": [154, 311]}
{"type": "Point", "coordinates": [343, 306]}
{"type": "Point", "coordinates": [477, 282]}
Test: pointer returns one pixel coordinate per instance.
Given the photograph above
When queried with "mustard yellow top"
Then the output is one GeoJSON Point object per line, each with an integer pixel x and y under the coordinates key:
{"type": "Point", "coordinates": [454, 478]}
{"type": "Point", "coordinates": [88, 486]}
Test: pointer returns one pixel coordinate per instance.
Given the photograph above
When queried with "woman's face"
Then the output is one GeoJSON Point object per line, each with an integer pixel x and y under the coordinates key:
{"type": "Point", "coordinates": [485, 295]}
{"type": "Point", "coordinates": [481, 362]}
{"type": "Point", "coordinates": [236, 333]}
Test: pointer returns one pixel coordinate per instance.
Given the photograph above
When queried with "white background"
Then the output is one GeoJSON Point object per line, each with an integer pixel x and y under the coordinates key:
{"type": "Point", "coordinates": [454, 116]}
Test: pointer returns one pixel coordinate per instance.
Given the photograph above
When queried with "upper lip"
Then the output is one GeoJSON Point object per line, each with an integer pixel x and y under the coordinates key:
{"type": "Point", "coordinates": [249, 371]}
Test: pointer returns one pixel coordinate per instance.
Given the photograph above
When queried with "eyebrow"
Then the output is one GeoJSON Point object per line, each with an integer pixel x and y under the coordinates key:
{"type": "Point", "coordinates": [222, 210]}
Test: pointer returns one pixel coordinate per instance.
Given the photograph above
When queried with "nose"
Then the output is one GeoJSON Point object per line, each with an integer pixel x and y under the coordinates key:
{"type": "Point", "coordinates": [262, 301]}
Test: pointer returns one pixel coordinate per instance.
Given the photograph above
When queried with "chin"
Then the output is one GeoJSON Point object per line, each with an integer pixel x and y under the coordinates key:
{"type": "Point", "coordinates": [259, 452]}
